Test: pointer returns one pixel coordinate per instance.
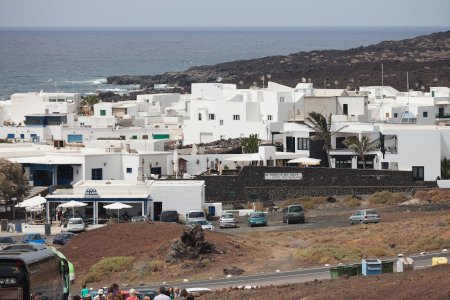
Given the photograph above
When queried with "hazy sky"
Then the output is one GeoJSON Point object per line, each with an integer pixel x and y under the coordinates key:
{"type": "Point", "coordinates": [143, 13]}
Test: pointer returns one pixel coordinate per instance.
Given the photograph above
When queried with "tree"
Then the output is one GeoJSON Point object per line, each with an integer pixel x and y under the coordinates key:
{"type": "Point", "coordinates": [322, 127]}
{"type": "Point", "coordinates": [87, 105]}
{"type": "Point", "coordinates": [13, 181]}
{"type": "Point", "coordinates": [250, 144]}
{"type": "Point", "coordinates": [445, 168]}
{"type": "Point", "coordinates": [361, 146]}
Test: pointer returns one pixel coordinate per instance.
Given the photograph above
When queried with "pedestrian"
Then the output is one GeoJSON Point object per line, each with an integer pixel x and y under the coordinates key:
{"type": "Point", "coordinates": [132, 295]}
{"type": "Point", "coordinates": [190, 297]}
{"type": "Point", "coordinates": [170, 293]}
{"type": "Point", "coordinates": [84, 291]}
{"type": "Point", "coordinates": [176, 292]}
{"type": "Point", "coordinates": [162, 294]}
{"type": "Point", "coordinates": [76, 297]}
{"type": "Point", "coordinates": [147, 298]}
{"type": "Point", "coordinates": [183, 294]}
{"type": "Point", "coordinates": [116, 291]}
{"type": "Point", "coordinates": [100, 295]}
{"type": "Point", "coordinates": [88, 297]}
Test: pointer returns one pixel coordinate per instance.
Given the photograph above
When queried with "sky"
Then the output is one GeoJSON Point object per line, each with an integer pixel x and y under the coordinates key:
{"type": "Point", "coordinates": [224, 13]}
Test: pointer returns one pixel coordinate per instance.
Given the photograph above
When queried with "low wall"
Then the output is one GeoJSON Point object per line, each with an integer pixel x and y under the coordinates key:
{"type": "Point", "coordinates": [277, 183]}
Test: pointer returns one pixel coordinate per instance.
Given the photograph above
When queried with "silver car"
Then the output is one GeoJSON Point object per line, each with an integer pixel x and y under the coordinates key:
{"type": "Point", "coordinates": [364, 216]}
{"type": "Point", "coordinates": [227, 220]}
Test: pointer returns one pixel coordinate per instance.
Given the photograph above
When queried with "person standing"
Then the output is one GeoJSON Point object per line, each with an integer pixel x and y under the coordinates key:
{"type": "Point", "coordinates": [162, 294]}
{"type": "Point", "coordinates": [100, 295]}
{"type": "Point", "coordinates": [132, 295]}
{"type": "Point", "coordinates": [84, 291]}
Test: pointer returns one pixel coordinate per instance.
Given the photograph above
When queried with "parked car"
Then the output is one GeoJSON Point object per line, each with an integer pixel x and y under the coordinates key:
{"type": "Point", "coordinates": [257, 218]}
{"type": "Point", "coordinates": [365, 216]}
{"type": "Point", "coordinates": [194, 215]}
{"type": "Point", "coordinates": [25, 247]}
{"type": "Point", "coordinates": [62, 238]}
{"type": "Point", "coordinates": [35, 238]}
{"type": "Point", "coordinates": [169, 216]}
{"type": "Point", "coordinates": [227, 220]}
{"type": "Point", "coordinates": [206, 225]}
{"type": "Point", "coordinates": [5, 241]}
{"type": "Point", "coordinates": [139, 219]}
{"type": "Point", "coordinates": [76, 225]}
{"type": "Point", "coordinates": [294, 214]}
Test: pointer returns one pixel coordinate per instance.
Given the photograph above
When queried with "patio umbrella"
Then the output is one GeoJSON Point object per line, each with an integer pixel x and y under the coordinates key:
{"type": "Point", "coordinates": [33, 201]}
{"type": "Point", "coordinates": [118, 206]}
{"type": "Point", "coordinates": [72, 204]}
{"type": "Point", "coordinates": [175, 163]}
{"type": "Point", "coordinates": [307, 161]}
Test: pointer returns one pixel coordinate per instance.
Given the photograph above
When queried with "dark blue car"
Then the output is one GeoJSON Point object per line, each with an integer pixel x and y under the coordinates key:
{"type": "Point", "coordinates": [35, 238]}
{"type": "Point", "coordinates": [62, 238]}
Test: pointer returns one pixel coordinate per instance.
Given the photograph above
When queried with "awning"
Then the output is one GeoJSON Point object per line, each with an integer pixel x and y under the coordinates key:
{"type": "Point", "coordinates": [49, 160]}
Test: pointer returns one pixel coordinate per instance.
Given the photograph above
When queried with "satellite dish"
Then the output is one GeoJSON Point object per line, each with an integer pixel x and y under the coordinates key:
{"type": "Point", "coordinates": [219, 79]}
{"type": "Point", "coordinates": [303, 79]}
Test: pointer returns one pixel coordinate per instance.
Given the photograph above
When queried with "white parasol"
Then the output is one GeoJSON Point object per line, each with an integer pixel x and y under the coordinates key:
{"type": "Point", "coordinates": [33, 201]}
{"type": "Point", "coordinates": [72, 204]}
{"type": "Point", "coordinates": [118, 206]}
{"type": "Point", "coordinates": [307, 161]}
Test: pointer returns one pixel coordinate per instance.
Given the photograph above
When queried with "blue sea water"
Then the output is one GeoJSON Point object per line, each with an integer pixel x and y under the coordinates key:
{"type": "Point", "coordinates": [79, 60]}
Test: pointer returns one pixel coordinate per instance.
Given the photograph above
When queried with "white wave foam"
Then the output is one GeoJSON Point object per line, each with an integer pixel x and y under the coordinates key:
{"type": "Point", "coordinates": [90, 81]}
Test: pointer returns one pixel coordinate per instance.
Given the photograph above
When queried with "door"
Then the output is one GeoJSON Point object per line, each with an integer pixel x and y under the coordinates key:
{"type": "Point", "coordinates": [290, 144]}
{"type": "Point", "coordinates": [157, 208]}
{"type": "Point", "coordinates": [42, 178]}
{"type": "Point", "coordinates": [64, 175]}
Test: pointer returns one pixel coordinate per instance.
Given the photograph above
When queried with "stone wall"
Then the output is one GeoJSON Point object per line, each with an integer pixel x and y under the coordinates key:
{"type": "Point", "coordinates": [251, 183]}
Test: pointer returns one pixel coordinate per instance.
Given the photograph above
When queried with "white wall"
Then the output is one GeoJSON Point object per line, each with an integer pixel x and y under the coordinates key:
{"type": "Point", "coordinates": [181, 196]}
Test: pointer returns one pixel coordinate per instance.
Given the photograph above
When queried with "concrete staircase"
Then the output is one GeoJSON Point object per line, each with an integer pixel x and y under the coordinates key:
{"type": "Point", "coordinates": [36, 190]}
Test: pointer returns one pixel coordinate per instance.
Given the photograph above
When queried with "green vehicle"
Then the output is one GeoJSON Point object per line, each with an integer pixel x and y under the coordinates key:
{"type": "Point", "coordinates": [257, 218]}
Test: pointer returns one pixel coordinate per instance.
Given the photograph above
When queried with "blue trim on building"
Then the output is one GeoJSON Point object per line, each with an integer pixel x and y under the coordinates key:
{"type": "Point", "coordinates": [98, 199]}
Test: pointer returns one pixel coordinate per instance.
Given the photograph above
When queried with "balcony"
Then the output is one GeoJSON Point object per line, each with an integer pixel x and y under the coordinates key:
{"type": "Point", "coordinates": [443, 116]}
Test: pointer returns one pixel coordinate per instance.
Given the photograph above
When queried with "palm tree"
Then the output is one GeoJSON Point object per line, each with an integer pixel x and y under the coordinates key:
{"type": "Point", "coordinates": [87, 105]}
{"type": "Point", "coordinates": [322, 127]}
{"type": "Point", "coordinates": [361, 146]}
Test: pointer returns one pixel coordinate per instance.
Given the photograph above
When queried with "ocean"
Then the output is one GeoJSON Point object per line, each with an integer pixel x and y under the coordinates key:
{"type": "Point", "coordinates": [79, 60]}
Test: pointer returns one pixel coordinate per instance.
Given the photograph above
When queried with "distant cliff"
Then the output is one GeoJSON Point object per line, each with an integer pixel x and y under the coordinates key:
{"type": "Point", "coordinates": [426, 58]}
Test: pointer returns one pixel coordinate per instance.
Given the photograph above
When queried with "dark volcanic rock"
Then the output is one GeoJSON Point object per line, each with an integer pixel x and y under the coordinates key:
{"type": "Point", "coordinates": [426, 58]}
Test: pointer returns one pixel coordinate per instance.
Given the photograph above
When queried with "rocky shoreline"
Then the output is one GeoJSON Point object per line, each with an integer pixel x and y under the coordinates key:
{"type": "Point", "coordinates": [426, 58]}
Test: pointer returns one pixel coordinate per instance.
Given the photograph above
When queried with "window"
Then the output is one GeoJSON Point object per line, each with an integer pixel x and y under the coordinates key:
{"type": "Point", "coordinates": [199, 117]}
{"type": "Point", "coordinates": [418, 173]}
{"type": "Point", "coordinates": [269, 117]}
{"type": "Point", "coordinates": [281, 99]}
{"type": "Point", "coordinates": [345, 109]}
{"type": "Point", "coordinates": [236, 117]}
{"type": "Point", "coordinates": [222, 137]}
{"type": "Point", "coordinates": [385, 165]}
{"type": "Point", "coordinates": [395, 115]}
{"type": "Point", "coordinates": [134, 137]}
{"type": "Point", "coordinates": [145, 137]}
{"type": "Point", "coordinates": [425, 114]}
{"type": "Point", "coordinates": [211, 117]}
{"type": "Point", "coordinates": [290, 144]}
{"type": "Point", "coordinates": [387, 115]}
{"type": "Point", "coordinates": [221, 122]}
{"type": "Point", "coordinates": [102, 112]}
{"type": "Point", "coordinates": [97, 174]}
{"type": "Point", "coordinates": [302, 143]}
{"type": "Point", "coordinates": [129, 170]}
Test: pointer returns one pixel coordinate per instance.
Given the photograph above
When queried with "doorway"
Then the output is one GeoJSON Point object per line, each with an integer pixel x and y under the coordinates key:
{"type": "Point", "coordinates": [157, 208]}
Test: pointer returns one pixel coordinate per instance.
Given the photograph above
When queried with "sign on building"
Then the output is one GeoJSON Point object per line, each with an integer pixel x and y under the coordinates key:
{"type": "Point", "coordinates": [283, 176]}
{"type": "Point", "coordinates": [91, 193]}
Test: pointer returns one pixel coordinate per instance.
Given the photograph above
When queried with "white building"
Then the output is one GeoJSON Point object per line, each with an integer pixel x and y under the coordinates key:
{"type": "Point", "coordinates": [147, 198]}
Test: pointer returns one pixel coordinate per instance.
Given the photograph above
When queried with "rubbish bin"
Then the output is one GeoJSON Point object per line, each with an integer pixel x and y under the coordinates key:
{"type": "Point", "coordinates": [48, 229]}
{"type": "Point", "coordinates": [371, 267]}
{"type": "Point", "coordinates": [439, 261]}
{"type": "Point", "coordinates": [4, 224]}
{"type": "Point", "coordinates": [18, 227]}
{"type": "Point", "coordinates": [405, 264]}
{"type": "Point", "coordinates": [334, 273]}
{"type": "Point", "coordinates": [387, 266]}
{"type": "Point", "coordinates": [349, 270]}
{"type": "Point", "coordinates": [357, 269]}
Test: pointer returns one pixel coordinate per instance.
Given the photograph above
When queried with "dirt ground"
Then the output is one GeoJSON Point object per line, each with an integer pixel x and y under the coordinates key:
{"type": "Point", "coordinates": [281, 246]}
{"type": "Point", "coordinates": [432, 283]}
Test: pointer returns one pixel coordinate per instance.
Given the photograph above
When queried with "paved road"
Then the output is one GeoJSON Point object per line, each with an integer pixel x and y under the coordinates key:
{"type": "Point", "coordinates": [302, 275]}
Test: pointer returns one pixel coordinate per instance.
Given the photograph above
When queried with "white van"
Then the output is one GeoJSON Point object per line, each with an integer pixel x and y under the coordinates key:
{"type": "Point", "coordinates": [195, 215]}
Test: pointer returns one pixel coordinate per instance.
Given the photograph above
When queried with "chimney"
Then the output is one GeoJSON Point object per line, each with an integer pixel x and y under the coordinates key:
{"type": "Point", "coordinates": [127, 148]}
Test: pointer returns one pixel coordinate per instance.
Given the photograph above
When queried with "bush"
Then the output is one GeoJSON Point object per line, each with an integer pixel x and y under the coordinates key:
{"type": "Point", "coordinates": [156, 265]}
{"type": "Point", "coordinates": [351, 201]}
{"type": "Point", "coordinates": [431, 243]}
{"type": "Point", "coordinates": [106, 266]}
{"type": "Point", "coordinates": [306, 202]}
{"type": "Point", "coordinates": [386, 197]}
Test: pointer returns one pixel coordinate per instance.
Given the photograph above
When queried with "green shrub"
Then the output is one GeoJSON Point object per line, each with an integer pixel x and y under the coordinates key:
{"type": "Point", "coordinates": [156, 265]}
{"type": "Point", "coordinates": [351, 201]}
{"type": "Point", "coordinates": [113, 264]}
{"type": "Point", "coordinates": [430, 243]}
{"type": "Point", "coordinates": [386, 197]}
